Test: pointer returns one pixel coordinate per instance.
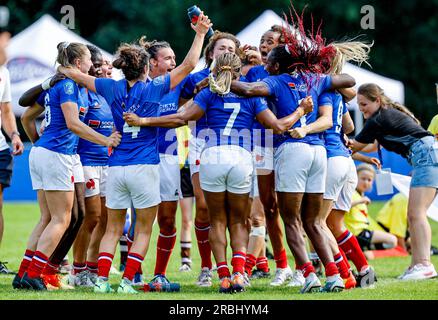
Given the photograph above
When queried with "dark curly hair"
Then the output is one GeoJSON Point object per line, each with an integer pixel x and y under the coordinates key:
{"type": "Point", "coordinates": [131, 59]}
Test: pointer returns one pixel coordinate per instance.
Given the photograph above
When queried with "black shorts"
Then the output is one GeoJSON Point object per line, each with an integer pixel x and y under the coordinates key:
{"type": "Point", "coordinates": [6, 163]}
{"type": "Point", "coordinates": [364, 239]}
{"type": "Point", "coordinates": [186, 183]}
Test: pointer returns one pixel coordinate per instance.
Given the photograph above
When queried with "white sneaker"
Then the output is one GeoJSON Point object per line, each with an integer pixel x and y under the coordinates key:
{"type": "Point", "coordinates": [204, 279]}
{"type": "Point", "coordinates": [312, 284]}
{"type": "Point", "coordinates": [297, 280]}
{"type": "Point", "coordinates": [80, 280]}
{"type": "Point", "coordinates": [185, 267]}
{"type": "Point", "coordinates": [419, 272]}
{"type": "Point", "coordinates": [334, 284]}
{"type": "Point", "coordinates": [281, 275]}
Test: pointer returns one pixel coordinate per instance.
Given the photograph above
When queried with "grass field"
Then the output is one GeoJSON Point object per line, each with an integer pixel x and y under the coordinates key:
{"type": "Point", "coordinates": [21, 218]}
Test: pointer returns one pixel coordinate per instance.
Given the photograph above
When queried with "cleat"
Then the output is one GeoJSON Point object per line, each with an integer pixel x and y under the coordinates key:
{"type": "Point", "coordinates": [204, 279]}
{"type": "Point", "coordinates": [311, 284]}
{"type": "Point", "coordinates": [161, 283]}
{"type": "Point", "coordinates": [80, 279]}
{"type": "Point", "coordinates": [225, 285]}
{"type": "Point", "coordinates": [419, 272]}
{"type": "Point", "coordinates": [260, 274]}
{"type": "Point", "coordinates": [102, 286]}
{"type": "Point", "coordinates": [350, 282]}
{"type": "Point", "coordinates": [65, 267]}
{"type": "Point", "coordinates": [16, 283]}
{"type": "Point", "coordinates": [32, 283]}
{"type": "Point", "coordinates": [92, 277]}
{"type": "Point", "coordinates": [4, 269]}
{"type": "Point", "coordinates": [281, 275]}
{"type": "Point", "coordinates": [246, 282]}
{"type": "Point", "coordinates": [238, 282]}
{"type": "Point", "coordinates": [55, 282]}
{"type": "Point", "coordinates": [185, 267]}
{"type": "Point", "coordinates": [126, 287]}
{"type": "Point", "coordinates": [366, 278]}
{"type": "Point", "coordinates": [297, 280]}
{"type": "Point", "coordinates": [334, 284]}
{"type": "Point", "coordinates": [138, 280]}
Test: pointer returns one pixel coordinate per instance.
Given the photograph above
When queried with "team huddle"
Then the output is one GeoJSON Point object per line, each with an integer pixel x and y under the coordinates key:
{"type": "Point", "coordinates": [268, 146]}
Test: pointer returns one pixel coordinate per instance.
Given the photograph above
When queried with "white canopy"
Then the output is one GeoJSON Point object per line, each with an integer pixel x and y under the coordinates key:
{"type": "Point", "coordinates": [32, 55]}
{"type": "Point", "coordinates": [252, 33]}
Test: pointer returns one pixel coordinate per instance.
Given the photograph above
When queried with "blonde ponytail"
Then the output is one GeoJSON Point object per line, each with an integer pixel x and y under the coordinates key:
{"type": "Point", "coordinates": [226, 67]}
{"type": "Point", "coordinates": [356, 51]}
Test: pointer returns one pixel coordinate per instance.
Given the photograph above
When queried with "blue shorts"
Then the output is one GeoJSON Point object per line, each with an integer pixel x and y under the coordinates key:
{"type": "Point", "coordinates": [6, 163]}
{"type": "Point", "coordinates": [424, 164]}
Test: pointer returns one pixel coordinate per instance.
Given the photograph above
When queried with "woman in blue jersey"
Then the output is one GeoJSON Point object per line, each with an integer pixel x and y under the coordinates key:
{"type": "Point", "coordinates": [300, 163]}
{"type": "Point", "coordinates": [51, 158]}
{"type": "Point", "coordinates": [219, 43]}
{"type": "Point", "coordinates": [133, 174]}
{"type": "Point", "coordinates": [94, 159]}
{"type": "Point", "coordinates": [264, 154]}
{"type": "Point", "coordinates": [226, 163]}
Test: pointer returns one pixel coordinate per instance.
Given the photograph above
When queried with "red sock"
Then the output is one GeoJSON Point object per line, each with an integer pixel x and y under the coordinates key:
{"type": "Point", "coordinates": [306, 268]}
{"type": "Point", "coordinates": [250, 263]}
{"type": "Point", "coordinates": [222, 270]}
{"type": "Point", "coordinates": [37, 265]}
{"type": "Point", "coordinates": [50, 269]}
{"type": "Point", "coordinates": [348, 242]}
{"type": "Point", "coordinates": [201, 231]}
{"type": "Point", "coordinates": [104, 264]}
{"type": "Point", "coordinates": [262, 264]}
{"type": "Point", "coordinates": [343, 268]}
{"type": "Point", "coordinates": [92, 267]}
{"type": "Point", "coordinates": [132, 265]}
{"type": "Point", "coordinates": [281, 260]}
{"type": "Point", "coordinates": [27, 259]}
{"type": "Point", "coordinates": [78, 267]}
{"type": "Point", "coordinates": [331, 269]}
{"type": "Point", "coordinates": [165, 245]}
{"type": "Point", "coordinates": [129, 243]}
{"type": "Point", "coordinates": [238, 261]}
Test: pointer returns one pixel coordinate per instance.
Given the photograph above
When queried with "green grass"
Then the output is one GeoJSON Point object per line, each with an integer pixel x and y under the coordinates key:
{"type": "Point", "coordinates": [21, 218]}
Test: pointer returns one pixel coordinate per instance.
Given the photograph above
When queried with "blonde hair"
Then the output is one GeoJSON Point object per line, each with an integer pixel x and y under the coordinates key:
{"type": "Point", "coordinates": [69, 52]}
{"type": "Point", "coordinates": [366, 167]}
{"type": "Point", "coordinates": [372, 91]}
{"type": "Point", "coordinates": [356, 51]}
{"type": "Point", "coordinates": [226, 67]}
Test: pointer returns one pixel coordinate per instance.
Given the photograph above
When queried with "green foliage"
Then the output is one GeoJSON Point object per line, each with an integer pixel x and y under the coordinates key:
{"type": "Point", "coordinates": [405, 33]}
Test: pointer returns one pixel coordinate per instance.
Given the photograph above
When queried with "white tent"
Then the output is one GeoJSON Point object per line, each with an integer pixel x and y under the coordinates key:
{"type": "Point", "coordinates": [252, 33]}
{"type": "Point", "coordinates": [32, 55]}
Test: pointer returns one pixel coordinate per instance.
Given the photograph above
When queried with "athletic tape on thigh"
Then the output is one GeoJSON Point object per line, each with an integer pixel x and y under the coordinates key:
{"type": "Point", "coordinates": [257, 232]}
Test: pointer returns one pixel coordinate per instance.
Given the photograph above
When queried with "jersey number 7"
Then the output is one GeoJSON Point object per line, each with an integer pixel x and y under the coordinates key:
{"type": "Point", "coordinates": [230, 123]}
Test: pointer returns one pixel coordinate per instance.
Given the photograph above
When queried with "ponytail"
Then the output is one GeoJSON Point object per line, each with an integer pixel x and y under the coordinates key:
{"type": "Point", "coordinates": [69, 52]}
{"type": "Point", "coordinates": [226, 67]}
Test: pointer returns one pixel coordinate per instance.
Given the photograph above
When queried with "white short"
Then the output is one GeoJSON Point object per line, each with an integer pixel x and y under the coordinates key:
{"type": "Point", "coordinates": [264, 158]}
{"type": "Point", "coordinates": [254, 184]}
{"type": "Point", "coordinates": [343, 202]}
{"type": "Point", "coordinates": [78, 171]}
{"type": "Point", "coordinates": [196, 146]}
{"type": "Point", "coordinates": [137, 184]}
{"type": "Point", "coordinates": [95, 180]}
{"type": "Point", "coordinates": [226, 168]}
{"type": "Point", "coordinates": [300, 167]}
{"type": "Point", "coordinates": [51, 171]}
{"type": "Point", "coordinates": [337, 173]}
{"type": "Point", "coordinates": [170, 178]}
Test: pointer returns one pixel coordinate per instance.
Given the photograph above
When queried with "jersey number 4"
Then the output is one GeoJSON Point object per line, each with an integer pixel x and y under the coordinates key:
{"type": "Point", "coordinates": [230, 123]}
{"type": "Point", "coordinates": [133, 130]}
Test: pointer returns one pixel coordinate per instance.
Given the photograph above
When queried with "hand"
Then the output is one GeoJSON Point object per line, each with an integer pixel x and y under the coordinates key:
{"type": "Point", "coordinates": [132, 119]}
{"type": "Point", "coordinates": [376, 162]}
{"type": "Point", "coordinates": [349, 143]}
{"type": "Point", "coordinates": [114, 139]}
{"type": "Point", "coordinates": [252, 55]}
{"type": "Point", "coordinates": [202, 25]}
{"type": "Point", "coordinates": [66, 71]}
{"type": "Point", "coordinates": [56, 78]}
{"type": "Point", "coordinates": [18, 147]}
{"type": "Point", "coordinates": [201, 85]}
{"type": "Point", "coordinates": [307, 104]}
{"type": "Point", "coordinates": [298, 133]}
{"type": "Point", "coordinates": [365, 200]}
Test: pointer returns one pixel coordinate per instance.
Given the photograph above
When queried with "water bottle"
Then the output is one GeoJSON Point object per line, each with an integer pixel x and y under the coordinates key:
{"type": "Point", "coordinates": [164, 287]}
{"type": "Point", "coordinates": [193, 13]}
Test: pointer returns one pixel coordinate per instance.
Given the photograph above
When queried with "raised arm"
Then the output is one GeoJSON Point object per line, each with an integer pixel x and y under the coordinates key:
{"type": "Point", "coordinates": [79, 77]}
{"type": "Point", "coordinates": [342, 81]}
{"type": "Point", "coordinates": [192, 113]}
{"type": "Point", "coordinates": [192, 57]}
{"type": "Point", "coordinates": [250, 89]}
{"type": "Point", "coordinates": [268, 119]}
{"type": "Point", "coordinates": [30, 96]}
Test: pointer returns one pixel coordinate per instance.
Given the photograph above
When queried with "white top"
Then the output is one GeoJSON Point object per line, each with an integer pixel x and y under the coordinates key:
{"type": "Point", "coordinates": [5, 96]}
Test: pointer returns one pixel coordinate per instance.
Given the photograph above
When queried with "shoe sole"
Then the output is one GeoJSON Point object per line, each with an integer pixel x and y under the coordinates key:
{"type": "Point", "coordinates": [315, 289]}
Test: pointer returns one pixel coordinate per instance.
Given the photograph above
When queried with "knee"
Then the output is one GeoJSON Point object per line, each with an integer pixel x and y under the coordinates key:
{"type": "Point", "coordinates": [257, 221]}
{"type": "Point", "coordinates": [167, 224]}
{"type": "Point", "coordinates": [312, 226]}
{"type": "Point", "coordinates": [416, 216]}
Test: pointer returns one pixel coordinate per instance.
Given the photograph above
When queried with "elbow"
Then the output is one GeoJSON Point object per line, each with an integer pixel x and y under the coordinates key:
{"type": "Point", "coordinates": [351, 82]}
{"type": "Point", "coordinates": [24, 118]}
{"type": "Point", "coordinates": [22, 102]}
{"type": "Point", "coordinates": [73, 127]}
